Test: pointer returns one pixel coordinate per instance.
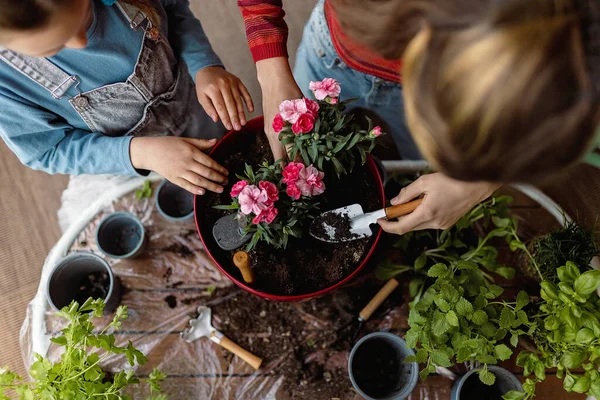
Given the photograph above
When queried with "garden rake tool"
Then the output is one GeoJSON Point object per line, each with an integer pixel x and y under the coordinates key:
{"type": "Point", "coordinates": [201, 327]}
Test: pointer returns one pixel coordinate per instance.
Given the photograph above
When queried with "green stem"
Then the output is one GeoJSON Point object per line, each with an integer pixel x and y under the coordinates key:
{"type": "Point", "coordinates": [85, 370]}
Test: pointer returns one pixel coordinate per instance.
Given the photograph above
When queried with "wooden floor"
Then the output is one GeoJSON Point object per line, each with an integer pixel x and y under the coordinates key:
{"type": "Point", "coordinates": [30, 199]}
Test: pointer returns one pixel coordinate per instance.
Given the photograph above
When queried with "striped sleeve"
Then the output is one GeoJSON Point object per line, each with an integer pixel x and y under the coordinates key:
{"type": "Point", "coordinates": [266, 29]}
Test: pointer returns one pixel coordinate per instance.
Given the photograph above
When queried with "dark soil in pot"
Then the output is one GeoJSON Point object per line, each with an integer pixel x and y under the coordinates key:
{"type": "Point", "coordinates": [377, 369]}
{"type": "Point", "coordinates": [307, 265]}
{"type": "Point", "coordinates": [473, 388]}
{"type": "Point", "coordinates": [95, 285]}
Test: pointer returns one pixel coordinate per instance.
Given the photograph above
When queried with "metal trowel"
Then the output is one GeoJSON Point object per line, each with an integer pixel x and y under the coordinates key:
{"type": "Point", "coordinates": [201, 327]}
{"type": "Point", "coordinates": [229, 234]}
{"type": "Point", "coordinates": [351, 223]}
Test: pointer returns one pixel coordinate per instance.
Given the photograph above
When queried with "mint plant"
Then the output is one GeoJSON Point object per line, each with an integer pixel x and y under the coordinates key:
{"type": "Point", "coordinates": [460, 318]}
{"type": "Point", "coordinates": [145, 192]}
{"type": "Point", "coordinates": [79, 375]}
{"type": "Point", "coordinates": [468, 240]}
{"type": "Point", "coordinates": [568, 337]}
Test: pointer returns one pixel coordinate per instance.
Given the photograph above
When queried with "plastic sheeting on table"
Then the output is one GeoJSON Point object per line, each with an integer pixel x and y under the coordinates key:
{"type": "Point", "coordinates": [175, 264]}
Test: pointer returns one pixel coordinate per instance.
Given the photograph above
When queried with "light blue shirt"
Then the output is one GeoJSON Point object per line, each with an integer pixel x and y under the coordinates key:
{"type": "Point", "coordinates": [48, 134]}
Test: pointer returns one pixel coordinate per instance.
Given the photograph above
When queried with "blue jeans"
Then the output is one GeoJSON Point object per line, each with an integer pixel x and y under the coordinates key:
{"type": "Point", "coordinates": [317, 59]}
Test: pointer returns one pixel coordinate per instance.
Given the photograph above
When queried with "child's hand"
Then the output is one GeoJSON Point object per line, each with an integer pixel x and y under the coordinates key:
{"type": "Point", "coordinates": [222, 95]}
{"type": "Point", "coordinates": [181, 161]}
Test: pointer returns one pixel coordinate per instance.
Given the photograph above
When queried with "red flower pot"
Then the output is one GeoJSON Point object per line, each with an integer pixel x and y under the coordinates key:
{"type": "Point", "coordinates": [233, 140]}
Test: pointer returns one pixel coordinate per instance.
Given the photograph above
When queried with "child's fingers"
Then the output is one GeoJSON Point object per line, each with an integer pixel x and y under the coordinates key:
{"type": "Point", "coordinates": [246, 96]}
{"type": "Point", "coordinates": [217, 100]}
{"type": "Point", "coordinates": [208, 173]}
{"type": "Point", "coordinates": [239, 102]}
{"type": "Point", "coordinates": [208, 107]}
{"type": "Point", "coordinates": [189, 186]}
{"type": "Point", "coordinates": [201, 182]}
{"type": "Point", "coordinates": [210, 163]}
{"type": "Point", "coordinates": [231, 107]}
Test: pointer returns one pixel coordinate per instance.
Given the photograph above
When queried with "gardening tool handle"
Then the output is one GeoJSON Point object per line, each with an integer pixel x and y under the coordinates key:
{"type": "Point", "coordinates": [241, 259]}
{"type": "Point", "coordinates": [379, 298]}
{"type": "Point", "coordinates": [245, 355]}
{"type": "Point", "coordinates": [402, 209]}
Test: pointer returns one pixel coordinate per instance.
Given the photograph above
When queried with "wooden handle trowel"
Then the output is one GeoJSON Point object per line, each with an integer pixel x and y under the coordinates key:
{"type": "Point", "coordinates": [352, 223]}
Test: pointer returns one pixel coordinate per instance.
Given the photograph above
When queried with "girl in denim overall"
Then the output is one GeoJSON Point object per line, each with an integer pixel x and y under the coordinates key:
{"type": "Point", "coordinates": [115, 87]}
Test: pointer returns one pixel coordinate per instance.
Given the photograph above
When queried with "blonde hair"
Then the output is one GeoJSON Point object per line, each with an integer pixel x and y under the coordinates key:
{"type": "Point", "coordinates": [507, 98]}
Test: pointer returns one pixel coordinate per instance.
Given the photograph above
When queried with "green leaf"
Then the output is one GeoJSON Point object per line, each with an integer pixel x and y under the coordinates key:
{"type": "Point", "coordinates": [505, 272]}
{"type": "Point", "coordinates": [573, 359]}
{"type": "Point", "coordinates": [440, 327]}
{"type": "Point", "coordinates": [514, 395]}
{"type": "Point", "coordinates": [501, 222]}
{"type": "Point", "coordinates": [514, 340]}
{"type": "Point", "coordinates": [479, 317]}
{"type": "Point", "coordinates": [411, 338]}
{"type": "Point", "coordinates": [463, 307]}
{"type": "Point", "coordinates": [60, 340]}
{"type": "Point", "coordinates": [440, 358]}
{"type": "Point", "coordinates": [438, 271]}
{"type": "Point", "coordinates": [568, 382]}
{"type": "Point", "coordinates": [442, 304]}
{"type": "Point", "coordinates": [502, 352]}
{"type": "Point", "coordinates": [494, 291]}
{"type": "Point", "coordinates": [522, 300]}
{"type": "Point", "coordinates": [420, 261]}
{"type": "Point", "coordinates": [487, 377]}
{"type": "Point", "coordinates": [507, 316]}
{"type": "Point", "coordinates": [414, 286]}
{"type": "Point", "coordinates": [585, 335]}
{"type": "Point", "coordinates": [466, 265]}
{"type": "Point", "coordinates": [516, 244]}
{"type": "Point", "coordinates": [452, 318]}
{"type": "Point", "coordinates": [582, 384]}
{"type": "Point", "coordinates": [422, 355]}
{"type": "Point", "coordinates": [539, 370]}
{"type": "Point", "coordinates": [587, 282]}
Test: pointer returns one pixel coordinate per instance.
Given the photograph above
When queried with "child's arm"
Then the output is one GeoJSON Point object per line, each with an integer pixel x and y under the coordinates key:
{"type": "Point", "coordinates": [267, 34]}
{"type": "Point", "coordinates": [221, 94]}
{"type": "Point", "coordinates": [42, 141]}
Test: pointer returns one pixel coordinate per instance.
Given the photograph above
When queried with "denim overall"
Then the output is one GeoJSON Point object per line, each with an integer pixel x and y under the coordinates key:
{"type": "Point", "coordinates": [158, 98]}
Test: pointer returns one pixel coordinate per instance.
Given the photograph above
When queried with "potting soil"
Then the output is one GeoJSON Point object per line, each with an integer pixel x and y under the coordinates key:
{"type": "Point", "coordinates": [306, 265]}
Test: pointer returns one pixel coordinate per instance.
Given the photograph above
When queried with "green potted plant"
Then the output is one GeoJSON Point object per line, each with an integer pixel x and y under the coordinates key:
{"type": "Point", "coordinates": [457, 314]}
{"type": "Point", "coordinates": [78, 375]}
{"type": "Point", "coordinates": [566, 333]}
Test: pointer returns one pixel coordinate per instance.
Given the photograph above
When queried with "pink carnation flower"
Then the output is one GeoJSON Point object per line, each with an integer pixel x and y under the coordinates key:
{"type": "Point", "coordinates": [293, 191]}
{"type": "Point", "coordinates": [310, 181]}
{"type": "Point", "coordinates": [328, 87]}
{"type": "Point", "coordinates": [376, 132]}
{"type": "Point", "coordinates": [267, 216]}
{"type": "Point", "coordinates": [278, 123]}
{"type": "Point", "coordinates": [312, 107]}
{"type": "Point", "coordinates": [304, 124]}
{"type": "Point", "coordinates": [291, 172]}
{"type": "Point", "coordinates": [253, 200]}
{"type": "Point", "coordinates": [238, 187]}
{"type": "Point", "coordinates": [291, 110]}
{"type": "Point", "coordinates": [271, 190]}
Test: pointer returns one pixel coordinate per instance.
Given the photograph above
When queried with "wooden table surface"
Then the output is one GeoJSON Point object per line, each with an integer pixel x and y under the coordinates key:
{"type": "Point", "coordinates": [202, 370]}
